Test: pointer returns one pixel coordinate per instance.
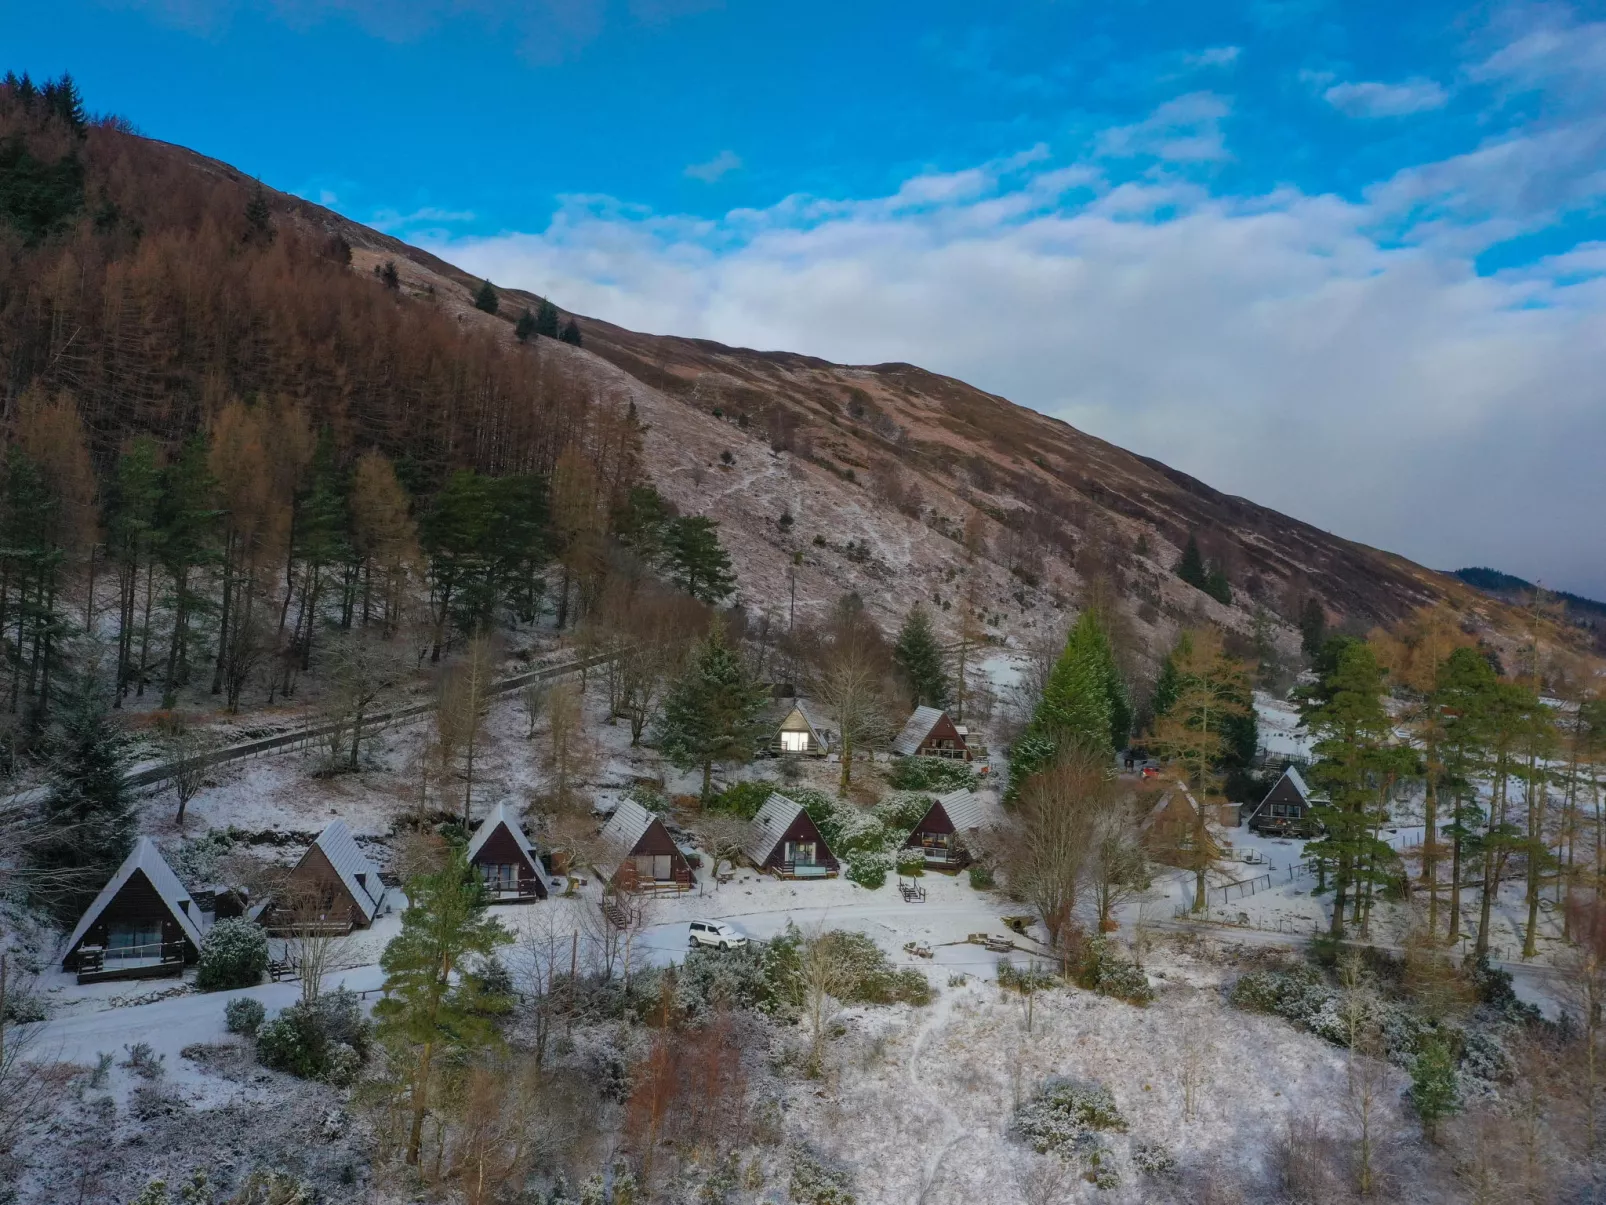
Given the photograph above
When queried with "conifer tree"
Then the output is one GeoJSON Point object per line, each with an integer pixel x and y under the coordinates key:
{"type": "Point", "coordinates": [918, 658]}
{"type": "Point", "coordinates": [258, 216]}
{"type": "Point", "coordinates": [1191, 568]}
{"type": "Point", "coordinates": [186, 541]}
{"type": "Point", "coordinates": [525, 326]}
{"type": "Point", "coordinates": [432, 1013]}
{"type": "Point", "coordinates": [546, 319]}
{"type": "Point", "coordinates": [486, 299]}
{"type": "Point", "coordinates": [89, 812]}
{"type": "Point", "coordinates": [570, 333]}
{"type": "Point", "coordinates": [1344, 712]}
{"type": "Point", "coordinates": [1435, 1092]}
{"type": "Point", "coordinates": [712, 712]}
{"type": "Point", "coordinates": [695, 561]}
{"type": "Point", "coordinates": [1084, 705]}
{"type": "Point", "coordinates": [1312, 627]}
{"type": "Point", "coordinates": [131, 532]}
{"type": "Point", "coordinates": [1217, 586]}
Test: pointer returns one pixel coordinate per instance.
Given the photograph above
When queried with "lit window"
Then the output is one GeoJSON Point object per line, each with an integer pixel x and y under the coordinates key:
{"type": "Point", "coordinates": [794, 742]}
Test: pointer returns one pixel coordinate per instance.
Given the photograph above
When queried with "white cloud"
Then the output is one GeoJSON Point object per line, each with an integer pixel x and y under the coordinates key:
{"type": "Point", "coordinates": [1186, 129]}
{"type": "Point", "coordinates": [1373, 99]}
{"type": "Point", "coordinates": [719, 166]}
{"type": "Point", "coordinates": [428, 215]}
{"type": "Point", "coordinates": [1213, 56]}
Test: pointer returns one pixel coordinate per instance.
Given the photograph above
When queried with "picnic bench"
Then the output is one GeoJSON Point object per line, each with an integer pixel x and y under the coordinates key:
{"type": "Point", "coordinates": [918, 948]}
{"type": "Point", "coordinates": [911, 891]}
{"type": "Point", "coordinates": [996, 945]}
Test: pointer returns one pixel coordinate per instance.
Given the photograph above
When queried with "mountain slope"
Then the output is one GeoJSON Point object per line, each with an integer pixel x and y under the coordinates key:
{"type": "Point", "coordinates": [887, 480]}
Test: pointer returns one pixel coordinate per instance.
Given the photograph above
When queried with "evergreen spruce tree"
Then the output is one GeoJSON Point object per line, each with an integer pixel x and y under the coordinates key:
{"type": "Point", "coordinates": [1191, 568]}
{"type": "Point", "coordinates": [546, 319]}
{"type": "Point", "coordinates": [89, 815]}
{"type": "Point", "coordinates": [525, 326]}
{"type": "Point", "coordinates": [432, 1014]}
{"type": "Point", "coordinates": [1345, 714]}
{"type": "Point", "coordinates": [389, 276]}
{"type": "Point", "coordinates": [570, 332]}
{"type": "Point", "coordinates": [1312, 627]}
{"type": "Point", "coordinates": [918, 658]}
{"type": "Point", "coordinates": [712, 711]}
{"type": "Point", "coordinates": [486, 299]}
{"type": "Point", "coordinates": [695, 560]}
{"type": "Point", "coordinates": [258, 216]}
{"type": "Point", "coordinates": [1217, 586]}
{"type": "Point", "coordinates": [1435, 1092]}
{"type": "Point", "coordinates": [1084, 705]}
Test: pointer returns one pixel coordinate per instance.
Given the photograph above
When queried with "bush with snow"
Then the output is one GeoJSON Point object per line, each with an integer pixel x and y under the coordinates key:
{"type": "Point", "coordinates": [234, 953]}
{"type": "Point", "coordinates": [1065, 1117]}
{"type": "Point", "coordinates": [325, 1040]}
{"type": "Point", "coordinates": [902, 810]}
{"type": "Point", "coordinates": [930, 774]}
{"type": "Point", "coordinates": [1153, 1159]}
{"type": "Point", "coordinates": [869, 867]}
{"type": "Point", "coordinates": [244, 1016]}
{"type": "Point", "coordinates": [1106, 972]}
{"type": "Point", "coordinates": [817, 1182]}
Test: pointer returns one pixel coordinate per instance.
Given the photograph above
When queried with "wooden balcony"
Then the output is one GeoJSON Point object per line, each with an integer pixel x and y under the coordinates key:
{"type": "Point", "coordinates": [154, 961]}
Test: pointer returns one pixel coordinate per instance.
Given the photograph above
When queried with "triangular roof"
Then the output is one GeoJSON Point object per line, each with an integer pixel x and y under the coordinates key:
{"type": "Point", "coordinates": [148, 860]}
{"type": "Point", "coordinates": [820, 733]}
{"type": "Point", "coordinates": [769, 826]}
{"type": "Point", "coordinates": [626, 827]}
{"type": "Point", "coordinates": [963, 809]}
{"type": "Point", "coordinates": [349, 862]}
{"type": "Point", "coordinates": [1293, 775]}
{"type": "Point", "coordinates": [917, 729]}
{"type": "Point", "coordinates": [1165, 801]}
{"type": "Point", "coordinates": [501, 817]}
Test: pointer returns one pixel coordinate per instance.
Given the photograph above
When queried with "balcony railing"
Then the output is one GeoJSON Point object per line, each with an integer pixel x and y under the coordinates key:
{"type": "Point", "coordinates": [130, 962]}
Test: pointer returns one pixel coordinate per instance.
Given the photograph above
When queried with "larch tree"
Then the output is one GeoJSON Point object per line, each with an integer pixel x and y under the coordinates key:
{"type": "Point", "coordinates": [1415, 655]}
{"type": "Point", "coordinates": [1192, 733]}
{"type": "Point", "coordinates": [187, 528]}
{"type": "Point", "coordinates": [384, 537]}
{"type": "Point", "coordinates": [464, 698]}
{"type": "Point", "coordinates": [580, 523]}
{"type": "Point", "coordinates": [849, 676]}
{"type": "Point", "coordinates": [430, 1011]}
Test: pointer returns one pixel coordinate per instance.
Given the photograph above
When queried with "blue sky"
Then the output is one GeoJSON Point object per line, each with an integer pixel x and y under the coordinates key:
{"type": "Point", "coordinates": [1346, 259]}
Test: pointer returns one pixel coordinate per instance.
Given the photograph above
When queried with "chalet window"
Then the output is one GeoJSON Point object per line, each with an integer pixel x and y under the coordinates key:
{"type": "Point", "coordinates": [653, 866]}
{"type": "Point", "coordinates": [794, 742]}
{"type": "Point", "coordinates": [134, 939]}
{"type": "Point", "coordinates": [800, 853]}
{"type": "Point", "coordinates": [501, 877]}
{"type": "Point", "coordinates": [935, 840]}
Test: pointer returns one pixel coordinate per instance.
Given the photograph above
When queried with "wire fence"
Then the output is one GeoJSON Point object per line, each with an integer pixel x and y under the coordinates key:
{"type": "Point", "coordinates": [1239, 889]}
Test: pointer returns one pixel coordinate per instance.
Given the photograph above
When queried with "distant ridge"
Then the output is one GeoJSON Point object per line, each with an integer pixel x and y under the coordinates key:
{"type": "Point", "coordinates": [1508, 585]}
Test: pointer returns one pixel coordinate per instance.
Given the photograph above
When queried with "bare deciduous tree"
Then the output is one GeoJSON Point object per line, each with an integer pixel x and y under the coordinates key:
{"type": "Point", "coordinates": [1045, 852]}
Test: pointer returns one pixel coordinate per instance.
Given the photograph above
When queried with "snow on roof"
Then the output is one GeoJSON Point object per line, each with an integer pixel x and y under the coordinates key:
{"type": "Point", "coordinates": [1292, 775]}
{"type": "Point", "coordinates": [1165, 802]}
{"type": "Point", "coordinates": [769, 826]}
{"type": "Point", "coordinates": [916, 731]}
{"type": "Point", "coordinates": [629, 824]}
{"type": "Point", "coordinates": [963, 808]}
{"type": "Point", "coordinates": [148, 859]}
{"type": "Point", "coordinates": [360, 876]}
{"type": "Point", "coordinates": [500, 816]}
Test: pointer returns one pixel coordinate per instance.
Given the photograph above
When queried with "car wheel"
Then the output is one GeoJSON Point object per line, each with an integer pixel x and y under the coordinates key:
{"type": "Point", "coordinates": [725, 945]}
{"type": "Point", "coordinates": [692, 942]}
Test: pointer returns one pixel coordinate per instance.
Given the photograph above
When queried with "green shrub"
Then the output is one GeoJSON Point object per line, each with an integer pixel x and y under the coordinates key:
{"type": "Point", "coordinates": [234, 954]}
{"type": "Point", "coordinates": [326, 1040]}
{"type": "Point", "coordinates": [1064, 1116]}
{"type": "Point", "coordinates": [815, 1182]}
{"type": "Point", "coordinates": [867, 974]}
{"type": "Point", "coordinates": [1154, 1160]}
{"type": "Point", "coordinates": [937, 774]}
{"type": "Point", "coordinates": [742, 799]}
{"type": "Point", "coordinates": [902, 810]}
{"type": "Point", "coordinates": [1104, 971]}
{"type": "Point", "coordinates": [869, 867]}
{"type": "Point", "coordinates": [243, 1016]}
{"type": "Point", "coordinates": [911, 862]}
{"type": "Point", "coordinates": [981, 877]}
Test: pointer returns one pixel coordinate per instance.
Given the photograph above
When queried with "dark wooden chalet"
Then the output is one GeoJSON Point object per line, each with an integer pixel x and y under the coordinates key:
{"type": "Point", "coordinates": [1286, 809]}
{"type": "Point", "coordinates": [1171, 830]}
{"type": "Point", "coordinates": [941, 833]}
{"type": "Point", "coordinates": [930, 733]}
{"type": "Point", "coordinates": [141, 925]}
{"type": "Point", "coordinates": [801, 733]}
{"type": "Point", "coordinates": [333, 887]}
{"type": "Point", "coordinates": [506, 859]}
{"type": "Point", "coordinates": [784, 840]}
{"type": "Point", "coordinates": [640, 855]}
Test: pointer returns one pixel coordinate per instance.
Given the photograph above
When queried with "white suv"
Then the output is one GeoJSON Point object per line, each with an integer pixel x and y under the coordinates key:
{"type": "Point", "coordinates": [716, 933]}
